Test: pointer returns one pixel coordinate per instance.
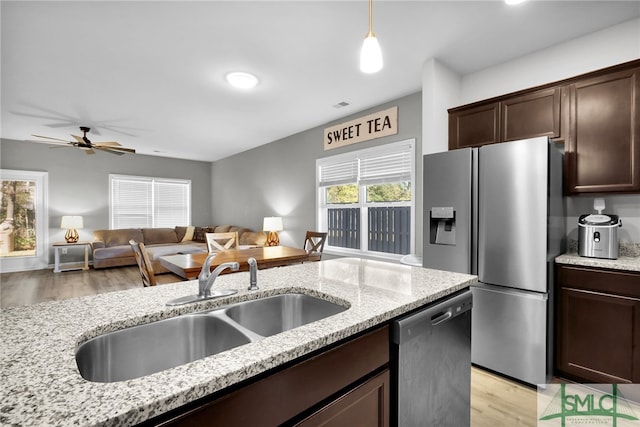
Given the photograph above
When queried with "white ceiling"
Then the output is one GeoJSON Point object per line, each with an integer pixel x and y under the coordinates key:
{"type": "Point", "coordinates": [150, 74]}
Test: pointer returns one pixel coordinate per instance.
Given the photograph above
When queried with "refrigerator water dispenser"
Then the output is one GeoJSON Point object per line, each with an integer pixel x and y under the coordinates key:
{"type": "Point", "coordinates": [443, 226]}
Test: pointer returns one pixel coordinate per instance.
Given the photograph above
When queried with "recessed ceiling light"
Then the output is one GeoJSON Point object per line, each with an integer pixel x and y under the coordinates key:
{"type": "Point", "coordinates": [241, 80]}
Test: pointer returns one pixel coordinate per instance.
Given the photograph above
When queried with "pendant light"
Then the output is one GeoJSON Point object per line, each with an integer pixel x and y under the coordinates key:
{"type": "Point", "coordinates": [370, 55]}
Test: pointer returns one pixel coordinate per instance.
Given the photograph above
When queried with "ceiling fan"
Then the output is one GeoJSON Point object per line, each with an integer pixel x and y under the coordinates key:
{"type": "Point", "coordinates": [85, 144]}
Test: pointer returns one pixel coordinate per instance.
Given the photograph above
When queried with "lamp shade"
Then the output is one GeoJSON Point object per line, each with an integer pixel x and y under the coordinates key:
{"type": "Point", "coordinates": [370, 55]}
{"type": "Point", "coordinates": [272, 223]}
{"type": "Point", "coordinates": [69, 221]}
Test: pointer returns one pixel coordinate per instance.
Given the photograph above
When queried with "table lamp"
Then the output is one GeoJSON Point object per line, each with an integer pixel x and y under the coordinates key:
{"type": "Point", "coordinates": [272, 224]}
{"type": "Point", "coordinates": [71, 223]}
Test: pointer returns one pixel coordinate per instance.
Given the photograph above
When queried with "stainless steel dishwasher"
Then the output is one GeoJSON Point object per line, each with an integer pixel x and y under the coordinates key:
{"type": "Point", "coordinates": [431, 365]}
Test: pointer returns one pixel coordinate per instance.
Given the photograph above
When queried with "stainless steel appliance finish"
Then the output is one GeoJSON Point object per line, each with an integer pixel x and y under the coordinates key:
{"type": "Point", "coordinates": [433, 343]}
{"type": "Point", "coordinates": [598, 236]}
{"type": "Point", "coordinates": [512, 220]}
{"type": "Point", "coordinates": [153, 347]}
{"type": "Point", "coordinates": [517, 217]}
{"type": "Point", "coordinates": [456, 196]}
{"type": "Point", "coordinates": [521, 349]}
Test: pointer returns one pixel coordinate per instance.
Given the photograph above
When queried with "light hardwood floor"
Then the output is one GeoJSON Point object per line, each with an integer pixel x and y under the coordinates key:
{"type": "Point", "coordinates": [495, 401]}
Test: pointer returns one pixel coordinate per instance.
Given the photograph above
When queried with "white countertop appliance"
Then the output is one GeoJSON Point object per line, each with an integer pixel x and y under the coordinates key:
{"type": "Point", "coordinates": [598, 235]}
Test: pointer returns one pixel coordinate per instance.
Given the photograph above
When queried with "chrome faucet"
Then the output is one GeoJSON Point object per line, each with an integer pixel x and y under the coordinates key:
{"type": "Point", "coordinates": [253, 274]}
{"type": "Point", "coordinates": [207, 277]}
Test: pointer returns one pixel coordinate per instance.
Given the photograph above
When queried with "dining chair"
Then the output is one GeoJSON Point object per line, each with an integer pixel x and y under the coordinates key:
{"type": "Point", "coordinates": [144, 263]}
{"type": "Point", "coordinates": [221, 241]}
{"type": "Point", "coordinates": [314, 244]}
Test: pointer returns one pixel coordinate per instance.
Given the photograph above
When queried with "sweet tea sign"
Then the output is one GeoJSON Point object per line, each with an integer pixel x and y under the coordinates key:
{"type": "Point", "coordinates": [376, 125]}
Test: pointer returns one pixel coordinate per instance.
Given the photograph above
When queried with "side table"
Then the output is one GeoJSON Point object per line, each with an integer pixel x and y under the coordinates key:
{"type": "Point", "coordinates": [75, 266]}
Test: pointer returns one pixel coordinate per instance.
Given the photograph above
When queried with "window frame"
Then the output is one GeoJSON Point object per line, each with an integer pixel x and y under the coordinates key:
{"type": "Point", "coordinates": [322, 206]}
{"type": "Point", "coordinates": [155, 182]}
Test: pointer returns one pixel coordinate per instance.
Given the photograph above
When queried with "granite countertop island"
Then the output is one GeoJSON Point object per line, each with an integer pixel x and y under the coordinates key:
{"type": "Point", "coordinates": [41, 384]}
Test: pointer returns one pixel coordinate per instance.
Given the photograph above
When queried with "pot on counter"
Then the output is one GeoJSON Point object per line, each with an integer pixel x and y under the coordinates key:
{"type": "Point", "coordinates": [598, 235]}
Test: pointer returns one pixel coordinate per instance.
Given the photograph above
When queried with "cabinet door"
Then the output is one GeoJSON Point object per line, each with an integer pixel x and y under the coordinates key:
{"type": "Point", "coordinates": [365, 406]}
{"type": "Point", "coordinates": [603, 153]}
{"type": "Point", "coordinates": [598, 325]}
{"type": "Point", "coordinates": [284, 394]}
{"type": "Point", "coordinates": [531, 115]}
{"type": "Point", "coordinates": [598, 334]}
{"type": "Point", "coordinates": [475, 126]}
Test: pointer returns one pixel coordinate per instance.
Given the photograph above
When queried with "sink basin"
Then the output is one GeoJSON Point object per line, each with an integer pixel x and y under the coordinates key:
{"type": "Point", "coordinates": [145, 349]}
{"type": "Point", "coordinates": [153, 347]}
{"type": "Point", "coordinates": [272, 315]}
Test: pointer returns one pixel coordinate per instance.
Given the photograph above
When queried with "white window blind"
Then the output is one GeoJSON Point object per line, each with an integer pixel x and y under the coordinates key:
{"type": "Point", "coordinates": [370, 166]}
{"type": "Point", "coordinates": [143, 202]}
{"type": "Point", "coordinates": [390, 167]}
{"type": "Point", "coordinates": [344, 172]}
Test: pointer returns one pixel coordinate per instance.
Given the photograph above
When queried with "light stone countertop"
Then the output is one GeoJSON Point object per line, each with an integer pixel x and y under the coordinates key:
{"type": "Point", "coordinates": [622, 263]}
{"type": "Point", "coordinates": [41, 384]}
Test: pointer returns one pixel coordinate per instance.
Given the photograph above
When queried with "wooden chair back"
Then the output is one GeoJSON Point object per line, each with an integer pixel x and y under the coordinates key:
{"type": "Point", "coordinates": [221, 241]}
{"type": "Point", "coordinates": [314, 244]}
{"type": "Point", "coordinates": [144, 263]}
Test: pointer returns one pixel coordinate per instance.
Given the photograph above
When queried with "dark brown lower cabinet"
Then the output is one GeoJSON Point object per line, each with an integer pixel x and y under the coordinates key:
{"type": "Point", "coordinates": [598, 325]}
{"type": "Point", "coordinates": [365, 406]}
{"type": "Point", "coordinates": [349, 381]}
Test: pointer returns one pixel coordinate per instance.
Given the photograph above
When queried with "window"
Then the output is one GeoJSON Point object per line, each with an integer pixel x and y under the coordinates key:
{"type": "Point", "coordinates": [24, 220]}
{"type": "Point", "coordinates": [143, 202]}
{"type": "Point", "coordinates": [366, 200]}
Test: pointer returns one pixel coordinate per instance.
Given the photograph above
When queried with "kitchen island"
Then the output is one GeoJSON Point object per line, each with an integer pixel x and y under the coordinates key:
{"type": "Point", "coordinates": [41, 384]}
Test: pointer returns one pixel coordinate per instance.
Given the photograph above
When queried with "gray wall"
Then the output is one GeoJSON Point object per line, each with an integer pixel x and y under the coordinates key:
{"type": "Point", "coordinates": [279, 179]}
{"type": "Point", "coordinates": [79, 184]}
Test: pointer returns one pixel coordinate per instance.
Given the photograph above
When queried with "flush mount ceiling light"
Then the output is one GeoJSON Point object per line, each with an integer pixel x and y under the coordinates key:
{"type": "Point", "coordinates": [370, 55]}
{"type": "Point", "coordinates": [241, 80]}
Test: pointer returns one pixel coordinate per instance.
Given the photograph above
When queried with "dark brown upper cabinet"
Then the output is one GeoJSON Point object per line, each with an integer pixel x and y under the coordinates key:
{"type": "Point", "coordinates": [603, 150]}
{"type": "Point", "coordinates": [526, 115]}
{"type": "Point", "coordinates": [474, 126]}
{"type": "Point", "coordinates": [530, 115]}
{"type": "Point", "coordinates": [596, 116]}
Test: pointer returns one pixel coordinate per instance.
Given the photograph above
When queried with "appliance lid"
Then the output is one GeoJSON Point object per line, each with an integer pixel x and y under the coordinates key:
{"type": "Point", "coordinates": [598, 219]}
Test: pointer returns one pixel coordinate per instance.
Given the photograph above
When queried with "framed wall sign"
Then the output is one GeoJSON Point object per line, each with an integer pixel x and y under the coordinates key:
{"type": "Point", "coordinates": [372, 126]}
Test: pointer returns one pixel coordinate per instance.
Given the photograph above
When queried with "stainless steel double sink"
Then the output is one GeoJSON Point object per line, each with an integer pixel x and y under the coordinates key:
{"type": "Point", "coordinates": [153, 347]}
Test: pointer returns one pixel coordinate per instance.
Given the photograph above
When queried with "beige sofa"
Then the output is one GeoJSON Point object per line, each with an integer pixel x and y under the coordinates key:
{"type": "Point", "coordinates": [111, 247]}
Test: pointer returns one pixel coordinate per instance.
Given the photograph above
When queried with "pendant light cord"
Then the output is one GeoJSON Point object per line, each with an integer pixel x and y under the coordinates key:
{"type": "Point", "coordinates": [370, 33]}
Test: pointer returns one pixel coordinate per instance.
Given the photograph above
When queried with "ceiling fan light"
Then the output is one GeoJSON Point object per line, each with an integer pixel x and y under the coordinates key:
{"type": "Point", "coordinates": [241, 80]}
{"type": "Point", "coordinates": [370, 55]}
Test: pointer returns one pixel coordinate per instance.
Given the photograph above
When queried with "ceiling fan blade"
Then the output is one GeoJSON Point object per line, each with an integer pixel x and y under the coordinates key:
{"type": "Point", "coordinates": [109, 150]}
{"type": "Point", "coordinates": [89, 151]}
{"type": "Point", "coordinates": [78, 138]}
{"type": "Point", "coordinates": [49, 137]}
{"type": "Point", "coordinates": [107, 143]}
{"type": "Point", "coordinates": [124, 149]}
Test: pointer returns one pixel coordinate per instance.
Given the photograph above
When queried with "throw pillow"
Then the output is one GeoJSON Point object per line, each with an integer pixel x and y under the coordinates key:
{"type": "Point", "coordinates": [188, 236]}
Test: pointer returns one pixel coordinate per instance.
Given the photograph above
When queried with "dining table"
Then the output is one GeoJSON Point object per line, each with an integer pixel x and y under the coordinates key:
{"type": "Point", "coordinates": [188, 265]}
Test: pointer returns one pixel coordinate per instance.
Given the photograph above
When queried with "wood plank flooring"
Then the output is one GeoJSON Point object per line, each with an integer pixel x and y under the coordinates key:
{"type": "Point", "coordinates": [495, 401]}
{"type": "Point", "coordinates": [30, 287]}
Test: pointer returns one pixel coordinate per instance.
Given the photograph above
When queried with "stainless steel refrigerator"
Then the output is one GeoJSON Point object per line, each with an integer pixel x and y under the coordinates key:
{"type": "Point", "coordinates": [497, 211]}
